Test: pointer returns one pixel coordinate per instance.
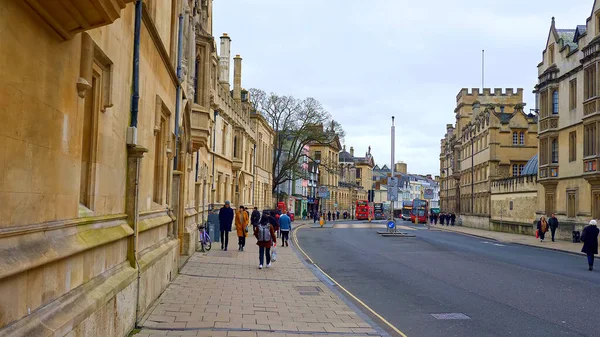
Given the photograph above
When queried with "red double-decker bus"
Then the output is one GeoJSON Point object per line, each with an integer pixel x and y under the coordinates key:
{"type": "Point", "coordinates": [420, 209]}
{"type": "Point", "coordinates": [364, 210]}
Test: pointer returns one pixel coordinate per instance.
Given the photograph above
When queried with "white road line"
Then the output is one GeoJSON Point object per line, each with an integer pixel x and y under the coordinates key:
{"type": "Point", "coordinates": [491, 243]}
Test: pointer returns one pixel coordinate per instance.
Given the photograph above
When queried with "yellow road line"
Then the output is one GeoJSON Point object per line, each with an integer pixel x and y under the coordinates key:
{"type": "Point", "coordinates": [344, 289]}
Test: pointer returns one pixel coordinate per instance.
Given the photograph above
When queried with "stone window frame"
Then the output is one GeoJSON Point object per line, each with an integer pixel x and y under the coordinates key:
{"type": "Point", "coordinates": [95, 67]}
{"type": "Point", "coordinates": [572, 192]}
{"type": "Point", "coordinates": [573, 94]}
{"type": "Point", "coordinates": [550, 207]}
{"type": "Point", "coordinates": [515, 138]}
{"type": "Point", "coordinates": [573, 146]}
{"type": "Point", "coordinates": [162, 146]}
{"type": "Point", "coordinates": [590, 136]}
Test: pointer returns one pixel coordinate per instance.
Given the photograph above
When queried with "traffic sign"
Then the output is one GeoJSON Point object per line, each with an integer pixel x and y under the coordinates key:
{"type": "Point", "coordinates": [391, 224]}
{"type": "Point", "coordinates": [323, 191]}
{"type": "Point", "coordinates": [428, 194]}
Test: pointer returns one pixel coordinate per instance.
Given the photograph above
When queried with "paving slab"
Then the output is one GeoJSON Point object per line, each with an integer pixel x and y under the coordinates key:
{"type": "Point", "coordinates": [223, 293]}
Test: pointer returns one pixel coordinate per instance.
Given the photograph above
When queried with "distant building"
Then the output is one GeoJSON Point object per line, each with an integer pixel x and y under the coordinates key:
{"type": "Point", "coordinates": [493, 138]}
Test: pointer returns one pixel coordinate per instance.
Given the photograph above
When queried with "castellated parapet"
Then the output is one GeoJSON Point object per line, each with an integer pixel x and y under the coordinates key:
{"type": "Point", "coordinates": [477, 93]}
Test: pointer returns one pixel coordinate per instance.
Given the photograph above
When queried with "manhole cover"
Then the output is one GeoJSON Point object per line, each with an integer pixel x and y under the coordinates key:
{"type": "Point", "coordinates": [308, 293]}
{"type": "Point", "coordinates": [307, 289]}
{"type": "Point", "coordinates": [454, 315]}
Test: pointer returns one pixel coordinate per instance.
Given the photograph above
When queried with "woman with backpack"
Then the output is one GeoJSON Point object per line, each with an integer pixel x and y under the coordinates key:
{"type": "Point", "coordinates": [265, 234]}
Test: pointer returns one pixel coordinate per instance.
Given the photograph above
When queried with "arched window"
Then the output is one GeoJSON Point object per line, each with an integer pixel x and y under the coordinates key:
{"type": "Point", "coordinates": [555, 102]}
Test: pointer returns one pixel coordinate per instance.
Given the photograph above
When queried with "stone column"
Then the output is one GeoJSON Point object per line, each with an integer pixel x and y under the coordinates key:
{"type": "Point", "coordinates": [135, 153]}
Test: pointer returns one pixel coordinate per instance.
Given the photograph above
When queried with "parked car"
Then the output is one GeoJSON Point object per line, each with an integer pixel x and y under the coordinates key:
{"type": "Point", "coordinates": [405, 217]}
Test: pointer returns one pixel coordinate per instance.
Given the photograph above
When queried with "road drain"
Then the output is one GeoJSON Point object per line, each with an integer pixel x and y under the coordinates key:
{"type": "Point", "coordinates": [454, 315]}
{"type": "Point", "coordinates": [308, 290]}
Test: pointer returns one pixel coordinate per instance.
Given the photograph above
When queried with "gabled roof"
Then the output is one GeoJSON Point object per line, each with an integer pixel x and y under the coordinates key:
{"type": "Point", "coordinates": [568, 38]}
{"type": "Point", "coordinates": [579, 32]}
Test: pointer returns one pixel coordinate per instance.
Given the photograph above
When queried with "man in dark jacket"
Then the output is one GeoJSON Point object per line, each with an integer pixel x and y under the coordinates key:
{"type": "Point", "coordinates": [452, 218]}
{"type": "Point", "coordinates": [329, 215]}
{"type": "Point", "coordinates": [225, 221]}
{"type": "Point", "coordinates": [589, 236]}
{"type": "Point", "coordinates": [553, 223]}
{"type": "Point", "coordinates": [255, 218]}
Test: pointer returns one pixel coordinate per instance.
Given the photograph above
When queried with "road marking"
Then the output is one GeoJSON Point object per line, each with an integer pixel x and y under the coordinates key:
{"type": "Point", "coordinates": [294, 237]}
{"type": "Point", "coordinates": [453, 315]}
{"type": "Point", "coordinates": [492, 243]}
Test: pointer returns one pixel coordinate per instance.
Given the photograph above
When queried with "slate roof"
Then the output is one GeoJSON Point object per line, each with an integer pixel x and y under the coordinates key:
{"type": "Point", "coordinates": [505, 117]}
{"type": "Point", "coordinates": [568, 37]}
{"type": "Point", "coordinates": [345, 157]}
{"type": "Point", "coordinates": [531, 168]}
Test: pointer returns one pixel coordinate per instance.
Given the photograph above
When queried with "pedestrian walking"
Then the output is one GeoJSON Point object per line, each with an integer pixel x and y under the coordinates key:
{"type": "Point", "coordinates": [329, 215]}
{"type": "Point", "coordinates": [553, 222]}
{"type": "Point", "coordinates": [285, 226]}
{"type": "Point", "coordinates": [442, 218]}
{"type": "Point", "coordinates": [265, 236]}
{"type": "Point", "coordinates": [241, 221]}
{"type": "Point", "coordinates": [589, 236]}
{"type": "Point", "coordinates": [274, 221]}
{"type": "Point", "coordinates": [225, 221]}
{"type": "Point", "coordinates": [452, 218]}
{"type": "Point", "coordinates": [255, 217]}
{"type": "Point", "coordinates": [337, 215]}
{"type": "Point", "coordinates": [435, 219]}
{"type": "Point", "coordinates": [542, 227]}
{"type": "Point", "coordinates": [304, 214]}
{"type": "Point", "coordinates": [315, 217]}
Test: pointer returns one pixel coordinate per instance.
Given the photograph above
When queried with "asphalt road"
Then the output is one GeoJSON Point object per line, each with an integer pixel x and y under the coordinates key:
{"type": "Point", "coordinates": [505, 290]}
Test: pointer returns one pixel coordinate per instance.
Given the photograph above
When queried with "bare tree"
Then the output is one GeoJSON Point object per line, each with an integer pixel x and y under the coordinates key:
{"type": "Point", "coordinates": [296, 123]}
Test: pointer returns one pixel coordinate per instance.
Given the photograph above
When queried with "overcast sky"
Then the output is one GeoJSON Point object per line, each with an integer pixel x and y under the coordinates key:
{"type": "Point", "coordinates": [369, 60]}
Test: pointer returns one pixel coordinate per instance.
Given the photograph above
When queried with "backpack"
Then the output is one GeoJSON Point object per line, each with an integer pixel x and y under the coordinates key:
{"type": "Point", "coordinates": [264, 232]}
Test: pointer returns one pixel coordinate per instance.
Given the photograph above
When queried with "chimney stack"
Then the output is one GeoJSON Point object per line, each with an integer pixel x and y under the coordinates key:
{"type": "Point", "coordinates": [352, 151]}
{"type": "Point", "coordinates": [237, 78]}
{"type": "Point", "coordinates": [224, 60]}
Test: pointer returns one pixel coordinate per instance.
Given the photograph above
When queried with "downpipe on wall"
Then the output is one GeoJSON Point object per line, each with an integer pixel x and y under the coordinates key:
{"type": "Point", "coordinates": [178, 90]}
{"type": "Point", "coordinates": [132, 141]}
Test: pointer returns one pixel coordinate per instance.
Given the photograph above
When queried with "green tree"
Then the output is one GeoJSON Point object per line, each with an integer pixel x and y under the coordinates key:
{"type": "Point", "coordinates": [296, 123]}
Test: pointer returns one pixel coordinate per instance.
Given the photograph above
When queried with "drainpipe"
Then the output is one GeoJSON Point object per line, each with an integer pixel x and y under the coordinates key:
{"type": "Point", "coordinates": [178, 93]}
{"type": "Point", "coordinates": [214, 148]}
{"type": "Point", "coordinates": [197, 162]}
{"type": "Point", "coordinates": [132, 140]}
{"type": "Point", "coordinates": [254, 178]}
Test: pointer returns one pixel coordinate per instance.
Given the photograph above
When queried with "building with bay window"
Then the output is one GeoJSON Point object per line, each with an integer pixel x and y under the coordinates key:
{"type": "Point", "coordinates": [569, 114]}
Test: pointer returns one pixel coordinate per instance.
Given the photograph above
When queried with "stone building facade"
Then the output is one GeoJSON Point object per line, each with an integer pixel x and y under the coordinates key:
{"type": "Point", "coordinates": [493, 138]}
{"type": "Point", "coordinates": [355, 178]}
{"type": "Point", "coordinates": [514, 201]}
{"type": "Point", "coordinates": [106, 164]}
{"type": "Point", "coordinates": [326, 154]}
{"type": "Point", "coordinates": [569, 115]}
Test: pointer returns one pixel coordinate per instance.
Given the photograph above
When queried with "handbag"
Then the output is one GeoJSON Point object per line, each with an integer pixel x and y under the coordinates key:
{"type": "Point", "coordinates": [537, 233]}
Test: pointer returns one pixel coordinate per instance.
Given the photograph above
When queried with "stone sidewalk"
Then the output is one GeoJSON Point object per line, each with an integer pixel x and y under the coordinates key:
{"type": "Point", "coordinates": [529, 240]}
{"type": "Point", "coordinates": [225, 294]}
